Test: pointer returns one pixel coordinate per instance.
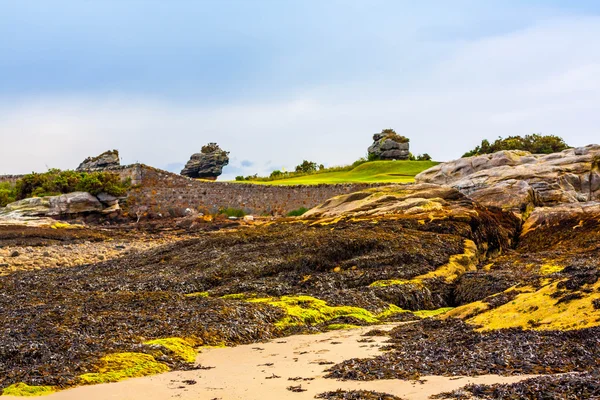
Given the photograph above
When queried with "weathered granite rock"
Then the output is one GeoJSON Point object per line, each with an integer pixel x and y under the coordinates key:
{"type": "Point", "coordinates": [517, 180]}
{"type": "Point", "coordinates": [384, 147]}
{"type": "Point", "coordinates": [207, 164]}
{"type": "Point", "coordinates": [416, 200]}
{"type": "Point", "coordinates": [105, 160]}
{"type": "Point", "coordinates": [52, 206]}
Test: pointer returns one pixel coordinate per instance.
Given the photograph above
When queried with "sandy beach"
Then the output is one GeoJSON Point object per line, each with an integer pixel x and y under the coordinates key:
{"type": "Point", "coordinates": [266, 370]}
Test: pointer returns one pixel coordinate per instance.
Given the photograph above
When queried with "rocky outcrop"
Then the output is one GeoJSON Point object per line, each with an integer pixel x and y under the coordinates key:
{"type": "Point", "coordinates": [208, 164]}
{"type": "Point", "coordinates": [389, 147]}
{"type": "Point", "coordinates": [105, 160]}
{"type": "Point", "coordinates": [56, 206]}
{"type": "Point", "coordinates": [518, 180]}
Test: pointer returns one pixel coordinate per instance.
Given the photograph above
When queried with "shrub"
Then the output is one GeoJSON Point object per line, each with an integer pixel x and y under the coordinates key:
{"type": "Point", "coordinates": [232, 212]}
{"type": "Point", "coordinates": [276, 174]}
{"type": "Point", "coordinates": [535, 143]}
{"type": "Point", "coordinates": [424, 157]}
{"type": "Point", "coordinates": [298, 212]}
{"type": "Point", "coordinates": [56, 182]}
{"type": "Point", "coordinates": [7, 193]}
{"type": "Point", "coordinates": [389, 133]}
{"type": "Point", "coordinates": [306, 167]}
{"type": "Point", "coordinates": [211, 148]}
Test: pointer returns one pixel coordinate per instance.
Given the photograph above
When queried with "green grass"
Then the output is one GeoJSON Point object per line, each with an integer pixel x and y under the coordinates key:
{"type": "Point", "coordinates": [374, 171]}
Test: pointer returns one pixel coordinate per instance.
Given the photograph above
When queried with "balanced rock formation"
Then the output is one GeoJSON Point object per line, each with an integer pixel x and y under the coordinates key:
{"type": "Point", "coordinates": [105, 160]}
{"type": "Point", "coordinates": [518, 180]}
{"type": "Point", "coordinates": [388, 145]}
{"type": "Point", "coordinates": [208, 164]}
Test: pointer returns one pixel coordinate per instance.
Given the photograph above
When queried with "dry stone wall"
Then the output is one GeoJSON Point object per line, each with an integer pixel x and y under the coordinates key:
{"type": "Point", "coordinates": [161, 193]}
{"type": "Point", "coordinates": [10, 178]}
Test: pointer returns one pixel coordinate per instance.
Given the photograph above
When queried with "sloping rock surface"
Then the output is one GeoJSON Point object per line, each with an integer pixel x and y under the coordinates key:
{"type": "Point", "coordinates": [105, 160]}
{"type": "Point", "coordinates": [516, 180]}
{"type": "Point", "coordinates": [51, 206]}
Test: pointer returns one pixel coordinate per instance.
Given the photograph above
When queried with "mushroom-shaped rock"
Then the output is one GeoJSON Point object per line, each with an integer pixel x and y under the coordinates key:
{"type": "Point", "coordinates": [208, 164]}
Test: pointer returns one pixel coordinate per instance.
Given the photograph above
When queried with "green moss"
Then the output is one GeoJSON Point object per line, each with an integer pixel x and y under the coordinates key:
{"type": "Point", "coordinates": [337, 327]}
{"type": "Point", "coordinates": [432, 313]}
{"type": "Point", "coordinates": [24, 390]}
{"type": "Point", "coordinates": [181, 348]}
{"type": "Point", "coordinates": [119, 366]}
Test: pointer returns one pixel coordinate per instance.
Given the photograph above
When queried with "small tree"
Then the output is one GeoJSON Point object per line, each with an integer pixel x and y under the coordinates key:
{"type": "Point", "coordinates": [424, 157]}
{"type": "Point", "coordinates": [306, 167]}
{"type": "Point", "coordinates": [276, 174]}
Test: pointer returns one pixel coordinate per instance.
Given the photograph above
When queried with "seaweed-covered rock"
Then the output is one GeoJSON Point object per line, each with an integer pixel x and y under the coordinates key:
{"type": "Point", "coordinates": [105, 160]}
{"type": "Point", "coordinates": [516, 180]}
{"type": "Point", "coordinates": [208, 164]}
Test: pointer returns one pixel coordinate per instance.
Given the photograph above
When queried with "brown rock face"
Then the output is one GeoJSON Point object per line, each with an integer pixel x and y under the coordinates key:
{"type": "Point", "coordinates": [515, 180]}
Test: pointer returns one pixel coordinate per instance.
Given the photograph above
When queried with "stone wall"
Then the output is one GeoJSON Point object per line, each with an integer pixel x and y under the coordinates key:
{"type": "Point", "coordinates": [10, 178]}
{"type": "Point", "coordinates": [158, 192]}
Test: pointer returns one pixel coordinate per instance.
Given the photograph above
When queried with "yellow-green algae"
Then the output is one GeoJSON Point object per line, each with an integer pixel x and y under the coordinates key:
{"type": "Point", "coordinates": [457, 265]}
{"type": "Point", "coordinates": [547, 269]}
{"type": "Point", "coordinates": [24, 390]}
{"type": "Point", "coordinates": [432, 313]}
{"type": "Point", "coordinates": [307, 310]}
{"type": "Point", "coordinates": [181, 348]}
{"type": "Point", "coordinates": [337, 327]}
{"type": "Point", "coordinates": [534, 309]}
{"type": "Point", "coordinates": [537, 309]}
{"type": "Point", "coordinates": [119, 366]}
{"type": "Point", "coordinates": [197, 294]}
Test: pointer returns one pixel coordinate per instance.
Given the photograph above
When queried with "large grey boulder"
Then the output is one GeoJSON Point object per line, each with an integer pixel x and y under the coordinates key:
{"type": "Point", "coordinates": [208, 164]}
{"type": "Point", "coordinates": [53, 206]}
{"type": "Point", "coordinates": [385, 147]}
{"type": "Point", "coordinates": [105, 160]}
{"type": "Point", "coordinates": [518, 180]}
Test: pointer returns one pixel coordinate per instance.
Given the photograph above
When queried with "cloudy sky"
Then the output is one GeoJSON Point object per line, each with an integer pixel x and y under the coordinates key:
{"type": "Point", "coordinates": [279, 81]}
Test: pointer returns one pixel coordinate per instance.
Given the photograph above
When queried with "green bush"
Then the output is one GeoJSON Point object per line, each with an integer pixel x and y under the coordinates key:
{"type": "Point", "coordinates": [424, 157]}
{"type": "Point", "coordinates": [535, 143]}
{"type": "Point", "coordinates": [7, 193]}
{"type": "Point", "coordinates": [232, 212]}
{"type": "Point", "coordinates": [389, 133]}
{"type": "Point", "coordinates": [307, 167]}
{"type": "Point", "coordinates": [56, 182]}
{"type": "Point", "coordinates": [298, 212]}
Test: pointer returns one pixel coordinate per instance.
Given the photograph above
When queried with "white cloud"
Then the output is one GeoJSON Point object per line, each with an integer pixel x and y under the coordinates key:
{"type": "Point", "coordinates": [542, 79]}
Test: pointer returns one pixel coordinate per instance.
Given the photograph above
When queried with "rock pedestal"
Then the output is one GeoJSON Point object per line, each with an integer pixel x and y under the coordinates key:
{"type": "Point", "coordinates": [105, 160]}
{"type": "Point", "coordinates": [206, 165]}
{"type": "Point", "coordinates": [386, 148]}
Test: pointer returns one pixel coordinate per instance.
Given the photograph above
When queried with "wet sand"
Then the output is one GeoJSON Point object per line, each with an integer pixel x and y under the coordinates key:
{"type": "Point", "coordinates": [262, 371]}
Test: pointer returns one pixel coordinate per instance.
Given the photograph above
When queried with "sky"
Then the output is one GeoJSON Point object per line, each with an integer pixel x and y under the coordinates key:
{"type": "Point", "coordinates": [279, 81]}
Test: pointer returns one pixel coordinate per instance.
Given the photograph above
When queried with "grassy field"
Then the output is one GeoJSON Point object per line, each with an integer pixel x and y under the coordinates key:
{"type": "Point", "coordinates": [374, 171]}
